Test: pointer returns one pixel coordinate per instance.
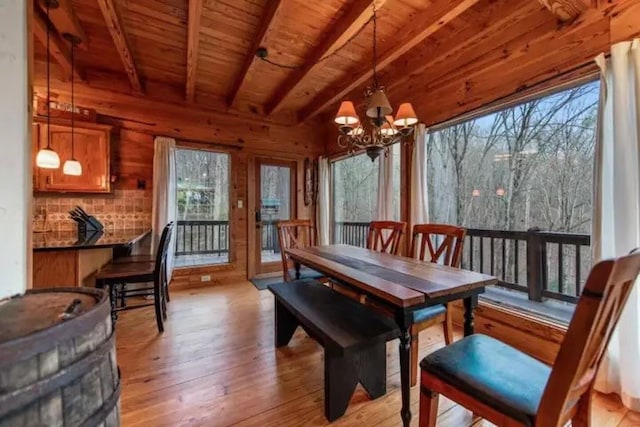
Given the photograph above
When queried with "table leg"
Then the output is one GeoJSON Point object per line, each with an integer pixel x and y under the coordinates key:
{"type": "Point", "coordinates": [404, 321]}
{"type": "Point", "coordinates": [405, 376]}
{"type": "Point", "coordinates": [470, 304]}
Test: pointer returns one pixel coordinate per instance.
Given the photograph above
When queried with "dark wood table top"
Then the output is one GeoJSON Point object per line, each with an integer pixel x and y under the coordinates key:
{"type": "Point", "coordinates": [402, 281]}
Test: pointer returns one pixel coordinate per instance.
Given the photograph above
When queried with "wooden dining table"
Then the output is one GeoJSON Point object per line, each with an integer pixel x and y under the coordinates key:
{"type": "Point", "coordinates": [399, 285]}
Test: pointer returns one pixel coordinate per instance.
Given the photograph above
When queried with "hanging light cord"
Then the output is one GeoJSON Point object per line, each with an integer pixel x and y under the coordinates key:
{"type": "Point", "coordinates": [48, 79]}
{"type": "Point", "coordinates": [328, 56]}
{"type": "Point", "coordinates": [73, 109]}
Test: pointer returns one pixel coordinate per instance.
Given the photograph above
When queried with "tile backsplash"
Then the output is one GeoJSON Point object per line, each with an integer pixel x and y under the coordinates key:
{"type": "Point", "coordinates": [122, 210]}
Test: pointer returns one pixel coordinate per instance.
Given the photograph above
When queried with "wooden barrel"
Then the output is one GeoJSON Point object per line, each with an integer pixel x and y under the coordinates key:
{"type": "Point", "coordinates": [58, 360]}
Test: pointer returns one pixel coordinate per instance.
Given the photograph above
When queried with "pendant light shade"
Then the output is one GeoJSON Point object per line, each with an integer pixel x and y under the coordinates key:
{"type": "Point", "coordinates": [378, 105]}
{"type": "Point", "coordinates": [346, 115]}
{"type": "Point", "coordinates": [72, 167]}
{"type": "Point", "coordinates": [406, 115]}
{"type": "Point", "coordinates": [47, 159]}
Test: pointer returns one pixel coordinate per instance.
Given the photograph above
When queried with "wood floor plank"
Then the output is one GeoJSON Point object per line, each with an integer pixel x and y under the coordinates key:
{"type": "Point", "coordinates": [215, 365]}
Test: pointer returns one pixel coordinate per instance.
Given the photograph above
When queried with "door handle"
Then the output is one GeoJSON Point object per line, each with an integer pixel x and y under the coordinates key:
{"type": "Point", "coordinates": [258, 219]}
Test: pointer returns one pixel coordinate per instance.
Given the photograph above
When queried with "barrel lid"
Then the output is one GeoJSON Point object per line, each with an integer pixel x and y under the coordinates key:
{"type": "Point", "coordinates": [42, 309]}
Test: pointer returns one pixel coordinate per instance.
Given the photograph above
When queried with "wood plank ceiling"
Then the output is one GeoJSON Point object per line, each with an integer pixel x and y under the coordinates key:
{"type": "Point", "coordinates": [467, 51]}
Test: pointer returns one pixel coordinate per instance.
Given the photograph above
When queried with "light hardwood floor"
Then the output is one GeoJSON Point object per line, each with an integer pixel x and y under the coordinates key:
{"type": "Point", "coordinates": [215, 365]}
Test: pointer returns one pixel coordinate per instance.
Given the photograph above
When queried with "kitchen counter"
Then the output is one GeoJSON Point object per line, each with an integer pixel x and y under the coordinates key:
{"type": "Point", "coordinates": [69, 240]}
{"type": "Point", "coordinates": [62, 259]}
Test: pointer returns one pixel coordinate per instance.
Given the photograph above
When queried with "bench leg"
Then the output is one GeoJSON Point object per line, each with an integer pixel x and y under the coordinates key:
{"type": "Point", "coordinates": [340, 381]}
{"type": "Point", "coordinates": [372, 370]}
{"type": "Point", "coordinates": [285, 325]}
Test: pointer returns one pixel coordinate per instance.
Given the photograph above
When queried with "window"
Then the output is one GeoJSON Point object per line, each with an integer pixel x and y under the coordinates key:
{"type": "Point", "coordinates": [202, 235]}
{"type": "Point", "coordinates": [355, 195]}
{"type": "Point", "coordinates": [522, 168]}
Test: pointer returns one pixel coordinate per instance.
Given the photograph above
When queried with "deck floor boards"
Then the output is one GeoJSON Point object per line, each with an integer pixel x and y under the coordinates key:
{"type": "Point", "coordinates": [215, 365]}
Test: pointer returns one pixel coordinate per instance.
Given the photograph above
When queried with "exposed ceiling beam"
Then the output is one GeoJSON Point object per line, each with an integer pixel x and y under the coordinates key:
{"type": "Point", "coordinates": [346, 27]}
{"type": "Point", "coordinates": [193, 45]}
{"type": "Point", "coordinates": [65, 21]}
{"type": "Point", "coordinates": [58, 48]}
{"type": "Point", "coordinates": [268, 16]}
{"type": "Point", "coordinates": [119, 37]}
{"type": "Point", "coordinates": [566, 10]}
{"type": "Point", "coordinates": [421, 27]}
{"type": "Point", "coordinates": [497, 20]}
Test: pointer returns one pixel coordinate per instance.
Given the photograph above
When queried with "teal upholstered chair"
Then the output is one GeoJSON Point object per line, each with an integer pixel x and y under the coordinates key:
{"type": "Point", "coordinates": [509, 388]}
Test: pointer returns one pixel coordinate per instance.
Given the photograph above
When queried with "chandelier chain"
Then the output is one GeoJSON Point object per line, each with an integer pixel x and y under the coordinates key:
{"type": "Point", "coordinates": [375, 45]}
{"type": "Point", "coordinates": [328, 56]}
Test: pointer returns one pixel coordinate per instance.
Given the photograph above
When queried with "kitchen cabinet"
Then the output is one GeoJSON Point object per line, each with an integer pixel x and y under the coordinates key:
{"type": "Point", "coordinates": [92, 146]}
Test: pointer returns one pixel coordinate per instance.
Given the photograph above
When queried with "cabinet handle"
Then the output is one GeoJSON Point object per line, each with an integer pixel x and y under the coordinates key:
{"type": "Point", "coordinates": [48, 180]}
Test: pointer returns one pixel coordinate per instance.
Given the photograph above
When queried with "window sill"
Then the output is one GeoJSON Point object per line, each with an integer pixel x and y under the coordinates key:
{"type": "Point", "coordinates": [557, 312]}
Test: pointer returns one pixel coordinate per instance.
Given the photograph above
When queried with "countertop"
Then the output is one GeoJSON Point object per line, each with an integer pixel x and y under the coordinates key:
{"type": "Point", "coordinates": [69, 240]}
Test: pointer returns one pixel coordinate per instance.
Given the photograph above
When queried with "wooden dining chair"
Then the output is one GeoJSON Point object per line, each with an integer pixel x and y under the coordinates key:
{"type": "Point", "coordinates": [385, 236]}
{"type": "Point", "coordinates": [441, 244]}
{"type": "Point", "coordinates": [116, 276]}
{"type": "Point", "coordinates": [509, 388]}
{"type": "Point", "coordinates": [296, 234]}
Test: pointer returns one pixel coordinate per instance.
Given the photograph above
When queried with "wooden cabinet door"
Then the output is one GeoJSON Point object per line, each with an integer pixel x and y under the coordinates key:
{"type": "Point", "coordinates": [91, 149]}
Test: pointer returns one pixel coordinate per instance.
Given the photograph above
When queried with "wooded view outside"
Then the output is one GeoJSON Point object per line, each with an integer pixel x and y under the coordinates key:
{"type": "Point", "coordinates": [202, 232]}
{"type": "Point", "coordinates": [526, 166]}
{"type": "Point", "coordinates": [203, 185]}
{"type": "Point", "coordinates": [355, 187]}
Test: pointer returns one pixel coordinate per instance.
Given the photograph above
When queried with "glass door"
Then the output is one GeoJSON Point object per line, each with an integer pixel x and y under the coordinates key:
{"type": "Point", "coordinates": [275, 202]}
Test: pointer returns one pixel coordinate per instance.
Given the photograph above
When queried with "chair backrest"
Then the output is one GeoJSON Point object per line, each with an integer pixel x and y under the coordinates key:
{"type": "Point", "coordinates": [385, 236]}
{"type": "Point", "coordinates": [163, 247]}
{"type": "Point", "coordinates": [438, 243]}
{"type": "Point", "coordinates": [294, 234]}
{"type": "Point", "coordinates": [597, 313]}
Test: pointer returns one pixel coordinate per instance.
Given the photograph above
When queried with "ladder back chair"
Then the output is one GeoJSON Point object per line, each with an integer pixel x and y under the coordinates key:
{"type": "Point", "coordinates": [509, 388]}
{"type": "Point", "coordinates": [296, 234]}
{"type": "Point", "coordinates": [385, 236]}
{"type": "Point", "coordinates": [117, 276]}
{"type": "Point", "coordinates": [442, 244]}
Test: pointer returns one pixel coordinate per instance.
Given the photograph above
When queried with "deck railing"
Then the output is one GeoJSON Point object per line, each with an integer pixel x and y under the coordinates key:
{"type": "Point", "coordinates": [212, 237]}
{"type": "Point", "coordinates": [541, 263]}
{"type": "Point", "coordinates": [202, 237]}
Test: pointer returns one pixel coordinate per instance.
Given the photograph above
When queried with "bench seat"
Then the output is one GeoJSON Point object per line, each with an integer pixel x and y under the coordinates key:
{"type": "Point", "coordinates": [354, 338]}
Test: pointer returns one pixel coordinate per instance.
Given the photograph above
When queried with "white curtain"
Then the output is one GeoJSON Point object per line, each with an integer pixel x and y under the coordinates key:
{"type": "Point", "coordinates": [419, 197]}
{"type": "Point", "coordinates": [164, 193]}
{"type": "Point", "coordinates": [384, 210]}
{"type": "Point", "coordinates": [616, 217]}
{"type": "Point", "coordinates": [323, 204]}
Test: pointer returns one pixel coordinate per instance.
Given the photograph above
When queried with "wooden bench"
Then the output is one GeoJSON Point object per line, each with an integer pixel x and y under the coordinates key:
{"type": "Point", "coordinates": [353, 336]}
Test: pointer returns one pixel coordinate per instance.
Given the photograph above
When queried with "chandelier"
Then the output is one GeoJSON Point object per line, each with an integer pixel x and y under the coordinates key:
{"type": "Point", "coordinates": [380, 129]}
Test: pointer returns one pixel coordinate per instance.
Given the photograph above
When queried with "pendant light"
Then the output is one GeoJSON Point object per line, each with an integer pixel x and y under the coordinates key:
{"type": "Point", "coordinates": [72, 166]}
{"type": "Point", "coordinates": [46, 157]}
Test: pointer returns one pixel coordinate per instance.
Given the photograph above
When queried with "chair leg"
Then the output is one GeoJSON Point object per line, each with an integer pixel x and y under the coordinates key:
{"type": "Point", "coordinates": [415, 345]}
{"type": "Point", "coordinates": [113, 296]}
{"type": "Point", "coordinates": [448, 327]}
{"type": "Point", "coordinates": [165, 281]}
{"type": "Point", "coordinates": [123, 288]}
{"type": "Point", "coordinates": [157, 302]}
{"type": "Point", "coordinates": [582, 417]}
{"type": "Point", "coordinates": [428, 407]}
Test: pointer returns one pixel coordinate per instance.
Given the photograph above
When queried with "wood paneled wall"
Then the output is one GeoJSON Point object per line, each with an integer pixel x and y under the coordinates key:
{"type": "Point", "coordinates": [245, 137]}
{"type": "Point", "coordinates": [533, 335]}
